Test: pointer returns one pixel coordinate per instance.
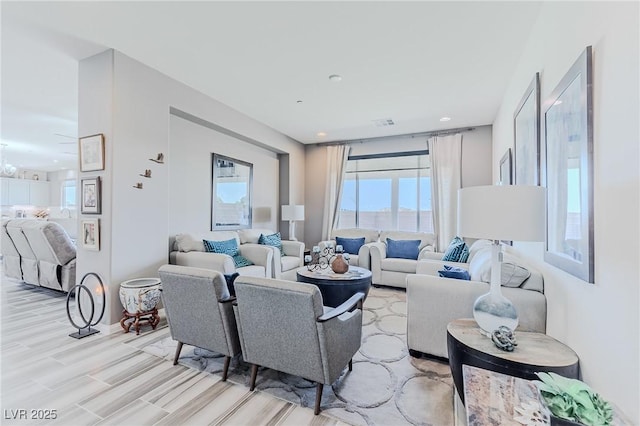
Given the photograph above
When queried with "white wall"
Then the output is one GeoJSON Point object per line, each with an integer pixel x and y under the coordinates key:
{"type": "Point", "coordinates": [130, 104]}
{"type": "Point", "coordinates": [599, 321]}
{"type": "Point", "coordinates": [190, 149]}
{"type": "Point", "coordinates": [476, 168]}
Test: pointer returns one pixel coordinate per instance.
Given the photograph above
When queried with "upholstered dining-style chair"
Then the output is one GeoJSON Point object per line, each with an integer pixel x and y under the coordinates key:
{"type": "Point", "coordinates": [199, 311]}
{"type": "Point", "coordinates": [284, 326]}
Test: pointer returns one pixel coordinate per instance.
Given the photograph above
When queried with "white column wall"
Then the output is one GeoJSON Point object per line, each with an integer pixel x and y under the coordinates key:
{"type": "Point", "coordinates": [599, 321]}
{"type": "Point", "coordinates": [130, 103]}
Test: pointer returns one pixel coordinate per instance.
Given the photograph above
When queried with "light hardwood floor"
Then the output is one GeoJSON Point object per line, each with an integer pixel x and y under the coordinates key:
{"type": "Point", "coordinates": [105, 379]}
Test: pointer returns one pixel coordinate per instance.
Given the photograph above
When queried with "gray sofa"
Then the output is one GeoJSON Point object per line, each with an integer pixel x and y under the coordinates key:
{"type": "Point", "coordinates": [39, 253]}
{"type": "Point", "coordinates": [434, 301]}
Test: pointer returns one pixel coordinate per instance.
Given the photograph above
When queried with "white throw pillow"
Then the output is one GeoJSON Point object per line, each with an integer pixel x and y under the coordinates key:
{"type": "Point", "coordinates": [187, 243]}
{"type": "Point", "coordinates": [512, 274]}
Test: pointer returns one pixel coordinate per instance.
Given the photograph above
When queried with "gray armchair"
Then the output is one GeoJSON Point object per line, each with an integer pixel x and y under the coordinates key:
{"type": "Point", "coordinates": [283, 326]}
{"type": "Point", "coordinates": [199, 311]}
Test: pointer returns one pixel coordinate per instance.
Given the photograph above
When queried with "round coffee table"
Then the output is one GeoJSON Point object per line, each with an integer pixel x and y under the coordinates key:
{"type": "Point", "coordinates": [337, 288]}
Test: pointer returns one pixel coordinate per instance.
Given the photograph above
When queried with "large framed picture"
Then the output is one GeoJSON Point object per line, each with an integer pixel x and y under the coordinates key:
{"type": "Point", "coordinates": [92, 153]}
{"type": "Point", "coordinates": [568, 130]}
{"type": "Point", "coordinates": [91, 196]}
{"type": "Point", "coordinates": [91, 234]}
{"type": "Point", "coordinates": [526, 136]}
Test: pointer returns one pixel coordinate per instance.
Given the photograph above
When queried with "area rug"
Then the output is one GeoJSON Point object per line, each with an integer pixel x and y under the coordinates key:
{"type": "Point", "coordinates": [386, 386]}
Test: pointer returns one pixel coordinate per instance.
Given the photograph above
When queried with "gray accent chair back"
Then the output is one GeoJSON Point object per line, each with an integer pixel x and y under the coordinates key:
{"type": "Point", "coordinates": [199, 310]}
{"type": "Point", "coordinates": [283, 326]}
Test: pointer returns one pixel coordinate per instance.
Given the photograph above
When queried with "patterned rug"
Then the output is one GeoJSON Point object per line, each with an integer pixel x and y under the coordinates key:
{"type": "Point", "coordinates": [386, 386]}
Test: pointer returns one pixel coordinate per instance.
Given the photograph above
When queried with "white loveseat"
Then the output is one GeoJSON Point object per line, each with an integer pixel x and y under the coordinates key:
{"type": "Point", "coordinates": [362, 258]}
{"type": "Point", "coordinates": [393, 271]}
{"type": "Point", "coordinates": [434, 301]}
{"type": "Point", "coordinates": [188, 250]}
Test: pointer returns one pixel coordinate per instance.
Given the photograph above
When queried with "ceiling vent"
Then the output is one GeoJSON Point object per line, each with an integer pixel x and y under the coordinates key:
{"type": "Point", "coordinates": [384, 122]}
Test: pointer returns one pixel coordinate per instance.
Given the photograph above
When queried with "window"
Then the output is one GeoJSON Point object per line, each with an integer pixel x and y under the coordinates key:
{"type": "Point", "coordinates": [68, 194]}
{"type": "Point", "coordinates": [392, 192]}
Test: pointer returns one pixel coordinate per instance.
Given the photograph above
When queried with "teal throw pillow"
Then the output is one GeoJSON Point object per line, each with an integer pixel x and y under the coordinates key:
{"type": "Point", "coordinates": [350, 245]}
{"type": "Point", "coordinates": [272, 240]}
{"type": "Point", "coordinates": [457, 251]}
{"type": "Point", "coordinates": [241, 261]}
{"type": "Point", "coordinates": [454, 272]}
{"type": "Point", "coordinates": [229, 247]}
{"type": "Point", "coordinates": [403, 249]}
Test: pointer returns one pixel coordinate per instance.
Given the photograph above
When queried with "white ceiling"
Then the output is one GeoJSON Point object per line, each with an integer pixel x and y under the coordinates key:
{"type": "Point", "coordinates": [412, 62]}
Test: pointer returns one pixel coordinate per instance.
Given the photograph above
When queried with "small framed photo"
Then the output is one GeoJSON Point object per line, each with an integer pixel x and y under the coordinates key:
{"type": "Point", "coordinates": [505, 168]}
{"type": "Point", "coordinates": [92, 153]}
{"type": "Point", "coordinates": [91, 234]}
{"type": "Point", "coordinates": [91, 195]}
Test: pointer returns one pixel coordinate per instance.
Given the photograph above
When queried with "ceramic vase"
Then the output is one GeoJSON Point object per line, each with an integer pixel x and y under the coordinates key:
{"type": "Point", "coordinates": [140, 294]}
{"type": "Point", "coordinates": [339, 265]}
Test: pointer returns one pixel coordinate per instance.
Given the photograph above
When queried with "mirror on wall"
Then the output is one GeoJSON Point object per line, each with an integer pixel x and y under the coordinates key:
{"type": "Point", "coordinates": [231, 193]}
{"type": "Point", "coordinates": [568, 122]}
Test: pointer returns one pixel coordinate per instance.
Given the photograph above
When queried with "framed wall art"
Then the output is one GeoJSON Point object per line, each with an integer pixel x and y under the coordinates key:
{"type": "Point", "coordinates": [90, 234]}
{"type": "Point", "coordinates": [92, 153]}
{"type": "Point", "coordinates": [526, 136]}
{"type": "Point", "coordinates": [91, 196]}
{"type": "Point", "coordinates": [505, 168]}
{"type": "Point", "coordinates": [568, 130]}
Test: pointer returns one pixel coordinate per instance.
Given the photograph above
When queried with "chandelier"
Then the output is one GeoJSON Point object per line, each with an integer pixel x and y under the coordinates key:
{"type": "Point", "coordinates": [6, 169]}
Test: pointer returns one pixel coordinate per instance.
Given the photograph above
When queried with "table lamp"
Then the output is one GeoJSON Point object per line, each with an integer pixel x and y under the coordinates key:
{"type": "Point", "coordinates": [513, 212]}
{"type": "Point", "coordinates": [292, 213]}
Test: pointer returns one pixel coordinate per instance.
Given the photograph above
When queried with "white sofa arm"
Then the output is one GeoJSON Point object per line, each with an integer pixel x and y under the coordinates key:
{"type": "Point", "coordinates": [200, 259]}
{"type": "Point", "coordinates": [294, 248]}
{"type": "Point", "coordinates": [326, 243]}
{"type": "Point", "coordinates": [259, 254]}
{"type": "Point", "coordinates": [378, 251]}
{"type": "Point", "coordinates": [433, 302]}
{"type": "Point", "coordinates": [431, 267]}
{"type": "Point", "coordinates": [430, 254]}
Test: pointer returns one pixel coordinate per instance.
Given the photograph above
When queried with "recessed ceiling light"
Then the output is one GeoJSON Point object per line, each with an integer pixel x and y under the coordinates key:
{"type": "Point", "coordinates": [335, 78]}
{"type": "Point", "coordinates": [321, 134]}
{"type": "Point", "coordinates": [445, 119]}
{"type": "Point", "coordinates": [298, 101]}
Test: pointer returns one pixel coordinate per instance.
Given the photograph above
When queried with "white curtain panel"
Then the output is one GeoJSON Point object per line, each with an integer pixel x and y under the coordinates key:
{"type": "Point", "coordinates": [337, 156]}
{"type": "Point", "coordinates": [445, 154]}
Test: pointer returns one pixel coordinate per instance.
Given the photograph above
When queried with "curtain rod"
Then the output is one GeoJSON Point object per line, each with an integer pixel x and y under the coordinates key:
{"type": "Point", "coordinates": [407, 135]}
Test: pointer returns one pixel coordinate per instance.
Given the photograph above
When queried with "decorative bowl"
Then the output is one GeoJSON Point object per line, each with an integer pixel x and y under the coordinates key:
{"type": "Point", "coordinates": [140, 294]}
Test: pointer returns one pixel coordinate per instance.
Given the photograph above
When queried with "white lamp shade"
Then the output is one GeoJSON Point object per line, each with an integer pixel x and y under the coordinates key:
{"type": "Point", "coordinates": [292, 212]}
{"type": "Point", "coordinates": [510, 212]}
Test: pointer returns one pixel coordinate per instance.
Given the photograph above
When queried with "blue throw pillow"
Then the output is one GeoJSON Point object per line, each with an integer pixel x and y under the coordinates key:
{"type": "Point", "coordinates": [457, 251]}
{"type": "Point", "coordinates": [350, 245]}
{"type": "Point", "coordinates": [229, 247]}
{"type": "Point", "coordinates": [230, 278]}
{"type": "Point", "coordinates": [241, 261]}
{"type": "Point", "coordinates": [272, 240]}
{"type": "Point", "coordinates": [403, 249]}
{"type": "Point", "coordinates": [454, 272]}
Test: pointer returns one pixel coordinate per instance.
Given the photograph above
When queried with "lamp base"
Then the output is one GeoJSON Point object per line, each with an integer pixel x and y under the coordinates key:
{"type": "Point", "coordinates": [493, 310]}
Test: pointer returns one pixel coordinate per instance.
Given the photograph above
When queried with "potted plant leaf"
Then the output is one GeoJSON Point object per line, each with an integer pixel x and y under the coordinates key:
{"type": "Point", "coordinates": [572, 402]}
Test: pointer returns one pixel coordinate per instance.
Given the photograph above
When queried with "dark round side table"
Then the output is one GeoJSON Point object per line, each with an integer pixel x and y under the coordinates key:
{"type": "Point", "coordinates": [337, 288]}
{"type": "Point", "coordinates": [536, 352]}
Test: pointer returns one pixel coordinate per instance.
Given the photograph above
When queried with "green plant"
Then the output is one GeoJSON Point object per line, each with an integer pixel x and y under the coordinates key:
{"type": "Point", "coordinates": [573, 400]}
